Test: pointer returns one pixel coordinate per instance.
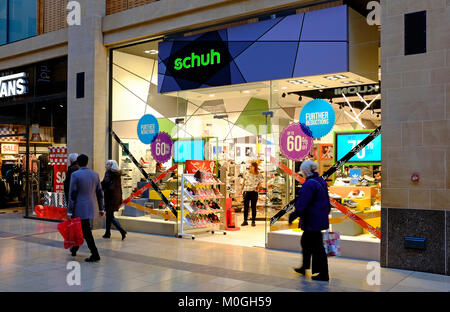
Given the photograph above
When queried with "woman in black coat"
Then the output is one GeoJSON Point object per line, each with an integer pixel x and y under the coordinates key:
{"type": "Point", "coordinates": [112, 189]}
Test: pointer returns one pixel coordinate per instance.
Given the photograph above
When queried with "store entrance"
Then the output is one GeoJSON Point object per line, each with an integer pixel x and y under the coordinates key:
{"type": "Point", "coordinates": [232, 124]}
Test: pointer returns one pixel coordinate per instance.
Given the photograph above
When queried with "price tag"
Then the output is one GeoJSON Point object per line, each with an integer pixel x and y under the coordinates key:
{"type": "Point", "coordinates": [294, 143]}
{"type": "Point", "coordinates": [162, 147]}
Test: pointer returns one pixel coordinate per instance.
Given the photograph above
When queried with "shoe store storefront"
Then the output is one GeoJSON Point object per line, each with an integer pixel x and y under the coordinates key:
{"type": "Point", "coordinates": [199, 110]}
{"type": "Point", "coordinates": [33, 127]}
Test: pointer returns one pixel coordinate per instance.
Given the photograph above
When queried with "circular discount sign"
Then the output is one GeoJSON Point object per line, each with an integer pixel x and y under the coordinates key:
{"type": "Point", "coordinates": [318, 115]}
{"type": "Point", "coordinates": [294, 143]}
{"type": "Point", "coordinates": [147, 128]}
{"type": "Point", "coordinates": [162, 147]}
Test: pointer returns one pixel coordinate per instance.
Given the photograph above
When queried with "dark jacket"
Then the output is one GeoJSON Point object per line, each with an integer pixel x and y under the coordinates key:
{"type": "Point", "coordinates": [112, 188]}
{"type": "Point", "coordinates": [313, 204]}
{"type": "Point", "coordinates": [72, 168]}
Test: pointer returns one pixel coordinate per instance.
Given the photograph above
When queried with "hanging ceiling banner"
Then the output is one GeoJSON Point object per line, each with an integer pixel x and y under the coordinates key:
{"type": "Point", "coordinates": [318, 116]}
{"type": "Point", "coordinates": [147, 129]}
{"type": "Point", "coordinates": [294, 143]}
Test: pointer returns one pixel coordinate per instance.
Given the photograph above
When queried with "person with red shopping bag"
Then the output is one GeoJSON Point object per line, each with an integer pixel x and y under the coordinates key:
{"type": "Point", "coordinates": [313, 207]}
{"type": "Point", "coordinates": [85, 190]}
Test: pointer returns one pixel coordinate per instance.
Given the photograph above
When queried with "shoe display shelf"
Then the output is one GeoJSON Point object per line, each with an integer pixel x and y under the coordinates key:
{"type": "Point", "coordinates": [199, 207]}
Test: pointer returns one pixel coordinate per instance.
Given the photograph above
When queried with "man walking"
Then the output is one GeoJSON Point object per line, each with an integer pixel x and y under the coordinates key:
{"type": "Point", "coordinates": [85, 187]}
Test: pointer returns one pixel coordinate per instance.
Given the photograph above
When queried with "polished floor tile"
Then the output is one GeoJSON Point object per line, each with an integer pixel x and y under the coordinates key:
{"type": "Point", "coordinates": [34, 260]}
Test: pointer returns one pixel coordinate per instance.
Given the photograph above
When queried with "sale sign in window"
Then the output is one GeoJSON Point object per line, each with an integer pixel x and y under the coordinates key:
{"type": "Point", "coordinates": [294, 143]}
{"type": "Point", "coordinates": [162, 147]}
{"type": "Point", "coordinates": [345, 142]}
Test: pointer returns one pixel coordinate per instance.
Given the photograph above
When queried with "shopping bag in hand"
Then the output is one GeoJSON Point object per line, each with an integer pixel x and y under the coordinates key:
{"type": "Point", "coordinates": [332, 243]}
{"type": "Point", "coordinates": [71, 232]}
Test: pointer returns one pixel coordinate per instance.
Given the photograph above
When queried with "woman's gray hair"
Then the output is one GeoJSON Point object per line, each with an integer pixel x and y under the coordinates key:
{"type": "Point", "coordinates": [113, 165]}
{"type": "Point", "coordinates": [308, 167]}
{"type": "Point", "coordinates": [72, 158]}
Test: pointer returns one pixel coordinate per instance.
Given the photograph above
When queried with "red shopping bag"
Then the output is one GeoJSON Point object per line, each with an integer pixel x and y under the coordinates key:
{"type": "Point", "coordinates": [72, 232]}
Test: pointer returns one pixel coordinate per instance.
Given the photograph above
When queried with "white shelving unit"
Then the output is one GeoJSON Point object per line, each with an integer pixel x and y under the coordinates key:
{"type": "Point", "coordinates": [204, 191]}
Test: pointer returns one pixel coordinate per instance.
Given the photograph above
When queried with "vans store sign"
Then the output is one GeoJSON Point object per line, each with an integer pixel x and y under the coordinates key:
{"type": "Point", "coordinates": [13, 85]}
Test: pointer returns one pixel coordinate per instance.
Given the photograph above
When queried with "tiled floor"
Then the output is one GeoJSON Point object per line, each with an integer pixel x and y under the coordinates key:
{"type": "Point", "coordinates": [32, 258]}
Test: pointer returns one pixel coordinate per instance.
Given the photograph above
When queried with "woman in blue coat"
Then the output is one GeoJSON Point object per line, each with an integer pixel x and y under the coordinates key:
{"type": "Point", "coordinates": [313, 208]}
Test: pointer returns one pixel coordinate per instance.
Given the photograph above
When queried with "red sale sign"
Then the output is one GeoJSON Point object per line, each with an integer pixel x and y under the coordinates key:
{"type": "Point", "coordinates": [192, 166]}
{"type": "Point", "coordinates": [59, 172]}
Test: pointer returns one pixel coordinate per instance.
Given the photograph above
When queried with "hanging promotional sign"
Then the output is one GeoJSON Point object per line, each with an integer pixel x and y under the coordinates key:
{"type": "Point", "coordinates": [294, 143]}
{"type": "Point", "coordinates": [192, 166]}
{"type": "Point", "coordinates": [59, 176]}
{"type": "Point", "coordinates": [162, 147]}
{"type": "Point", "coordinates": [57, 156]}
{"type": "Point", "coordinates": [10, 149]}
{"type": "Point", "coordinates": [147, 129]}
{"type": "Point", "coordinates": [319, 117]}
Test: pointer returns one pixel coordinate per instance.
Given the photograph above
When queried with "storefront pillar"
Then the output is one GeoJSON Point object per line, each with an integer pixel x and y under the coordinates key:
{"type": "Point", "coordinates": [87, 112]}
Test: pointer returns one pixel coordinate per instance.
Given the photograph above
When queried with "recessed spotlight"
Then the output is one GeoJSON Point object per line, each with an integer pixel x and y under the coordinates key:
{"type": "Point", "coordinates": [246, 91]}
{"type": "Point", "coordinates": [43, 107]}
{"type": "Point", "coordinates": [61, 106]}
{"type": "Point", "coordinates": [151, 51]}
{"type": "Point", "coordinates": [336, 77]}
{"type": "Point", "coordinates": [284, 88]}
{"type": "Point", "coordinates": [212, 95]}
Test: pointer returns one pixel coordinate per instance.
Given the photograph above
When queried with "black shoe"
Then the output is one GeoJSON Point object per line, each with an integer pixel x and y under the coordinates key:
{"type": "Point", "coordinates": [300, 271]}
{"type": "Point", "coordinates": [74, 253]}
{"type": "Point", "coordinates": [320, 278]}
{"type": "Point", "coordinates": [107, 235]}
{"type": "Point", "coordinates": [244, 223]}
{"type": "Point", "coordinates": [253, 223]}
{"type": "Point", "coordinates": [124, 234]}
{"type": "Point", "coordinates": [92, 259]}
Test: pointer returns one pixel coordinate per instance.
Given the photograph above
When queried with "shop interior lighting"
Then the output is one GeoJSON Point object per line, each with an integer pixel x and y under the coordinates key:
{"type": "Point", "coordinates": [212, 95]}
{"type": "Point", "coordinates": [284, 88]}
{"type": "Point", "coordinates": [336, 77]}
{"type": "Point", "coordinates": [352, 82]}
{"type": "Point", "coordinates": [317, 87]}
{"type": "Point", "coordinates": [299, 81]}
{"type": "Point", "coordinates": [246, 91]}
{"type": "Point", "coordinates": [151, 51]}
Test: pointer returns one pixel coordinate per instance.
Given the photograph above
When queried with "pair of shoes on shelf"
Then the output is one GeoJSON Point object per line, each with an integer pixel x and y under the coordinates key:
{"type": "Point", "coordinates": [92, 259]}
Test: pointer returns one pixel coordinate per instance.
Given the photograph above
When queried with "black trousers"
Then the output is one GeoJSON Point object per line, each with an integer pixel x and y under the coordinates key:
{"type": "Point", "coordinates": [111, 220]}
{"type": "Point", "coordinates": [250, 197]}
{"type": "Point", "coordinates": [87, 233]}
{"type": "Point", "coordinates": [312, 246]}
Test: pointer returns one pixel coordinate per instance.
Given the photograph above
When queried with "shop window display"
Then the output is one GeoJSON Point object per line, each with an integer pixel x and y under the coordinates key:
{"type": "Point", "coordinates": [236, 124]}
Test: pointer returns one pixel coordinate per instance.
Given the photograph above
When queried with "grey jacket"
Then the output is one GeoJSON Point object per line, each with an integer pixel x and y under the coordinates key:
{"type": "Point", "coordinates": [84, 188]}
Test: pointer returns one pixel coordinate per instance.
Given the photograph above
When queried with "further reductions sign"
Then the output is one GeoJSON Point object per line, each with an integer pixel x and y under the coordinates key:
{"type": "Point", "coordinates": [318, 116]}
{"type": "Point", "coordinates": [147, 128]}
{"type": "Point", "coordinates": [162, 147]}
{"type": "Point", "coordinates": [294, 143]}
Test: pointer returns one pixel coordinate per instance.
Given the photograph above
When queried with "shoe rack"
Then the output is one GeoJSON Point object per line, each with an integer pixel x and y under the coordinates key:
{"type": "Point", "coordinates": [200, 204]}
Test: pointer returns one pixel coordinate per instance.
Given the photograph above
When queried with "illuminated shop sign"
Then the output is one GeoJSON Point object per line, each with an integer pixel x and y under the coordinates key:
{"type": "Point", "coordinates": [299, 45]}
{"type": "Point", "coordinates": [366, 89]}
{"type": "Point", "coordinates": [194, 60]}
{"type": "Point", "coordinates": [13, 85]}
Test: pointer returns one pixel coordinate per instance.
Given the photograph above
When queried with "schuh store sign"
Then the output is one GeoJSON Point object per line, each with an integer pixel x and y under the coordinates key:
{"type": "Point", "coordinates": [13, 85]}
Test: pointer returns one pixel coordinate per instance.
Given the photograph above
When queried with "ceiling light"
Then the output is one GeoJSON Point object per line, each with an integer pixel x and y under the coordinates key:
{"type": "Point", "coordinates": [246, 91]}
{"type": "Point", "coordinates": [284, 88]}
{"type": "Point", "coordinates": [336, 77]}
{"type": "Point", "coordinates": [151, 51]}
{"type": "Point", "coordinates": [294, 82]}
{"type": "Point", "coordinates": [212, 95]}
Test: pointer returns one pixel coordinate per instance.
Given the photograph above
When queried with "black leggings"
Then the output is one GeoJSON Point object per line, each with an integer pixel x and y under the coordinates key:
{"type": "Point", "coordinates": [111, 220]}
{"type": "Point", "coordinates": [312, 246]}
{"type": "Point", "coordinates": [253, 198]}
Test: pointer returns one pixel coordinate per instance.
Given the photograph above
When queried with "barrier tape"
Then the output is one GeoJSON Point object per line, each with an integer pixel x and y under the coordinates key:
{"type": "Point", "coordinates": [153, 184]}
{"type": "Point", "coordinates": [147, 186]}
{"type": "Point", "coordinates": [291, 205]}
